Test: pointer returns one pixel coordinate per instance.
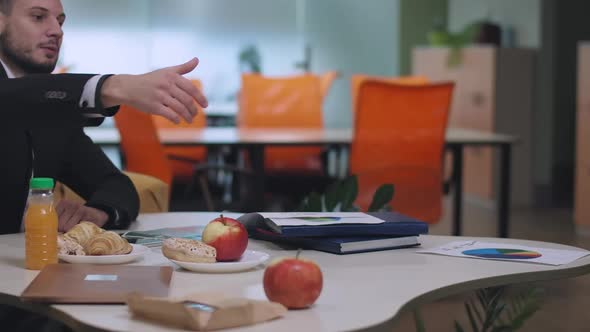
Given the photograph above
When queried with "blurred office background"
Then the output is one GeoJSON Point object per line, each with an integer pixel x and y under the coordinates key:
{"type": "Point", "coordinates": [525, 83]}
{"type": "Point", "coordinates": [374, 37]}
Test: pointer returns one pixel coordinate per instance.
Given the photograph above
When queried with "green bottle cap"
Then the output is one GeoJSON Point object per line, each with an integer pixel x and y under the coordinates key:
{"type": "Point", "coordinates": [41, 183]}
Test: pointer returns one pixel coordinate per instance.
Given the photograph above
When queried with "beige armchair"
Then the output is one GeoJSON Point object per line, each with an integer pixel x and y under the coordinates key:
{"type": "Point", "coordinates": [153, 193]}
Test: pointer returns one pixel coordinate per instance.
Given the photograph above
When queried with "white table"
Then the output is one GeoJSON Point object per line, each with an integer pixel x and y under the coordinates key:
{"type": "Point", "coordinates": [361, 292]}
{"type": "Point", "coordinates": [256, 139]}
{"type": "Point", "coordinates": [292, 136]}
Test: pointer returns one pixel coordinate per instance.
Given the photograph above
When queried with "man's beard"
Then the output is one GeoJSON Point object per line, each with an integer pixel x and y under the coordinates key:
{"type": "Point", "coordinates": [26, 64]}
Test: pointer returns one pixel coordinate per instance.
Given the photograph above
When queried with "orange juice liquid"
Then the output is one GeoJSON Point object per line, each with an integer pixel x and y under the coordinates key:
{"type": "Point", "coordinates": [40, 235]}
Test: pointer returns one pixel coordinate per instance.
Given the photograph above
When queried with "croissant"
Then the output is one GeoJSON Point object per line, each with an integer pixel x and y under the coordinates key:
{"type": "Point", "coordinates": [68, 246]}
{"type": "Point", "coordinates": [107, 243]}
{"type": "Point", "coordinates": [83, 232]}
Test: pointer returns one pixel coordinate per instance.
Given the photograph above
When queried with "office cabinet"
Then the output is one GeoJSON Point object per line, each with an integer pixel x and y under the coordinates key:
{"type": "Point", "coordinates": [582, 182]}
{"type": "Point", "coordinates": [494, 93]}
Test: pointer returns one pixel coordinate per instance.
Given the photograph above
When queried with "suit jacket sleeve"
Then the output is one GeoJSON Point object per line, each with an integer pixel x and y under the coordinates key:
{"type": "Point", "coordinates": [48, 101]}
{"type": "Point", "coordinates": [90, 173]}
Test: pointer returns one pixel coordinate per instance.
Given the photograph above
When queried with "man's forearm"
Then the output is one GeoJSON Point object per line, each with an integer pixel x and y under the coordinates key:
{"type": "Point", "coordinates": [163, 92]}
{"type": "Point", "coordinates": [112, 91]}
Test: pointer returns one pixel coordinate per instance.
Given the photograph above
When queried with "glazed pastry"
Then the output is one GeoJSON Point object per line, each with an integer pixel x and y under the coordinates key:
{"type": "Point", "coordinates": [83, 232]}
{"type": "Point", "coordinates": [107, 243]}
{"type": "Point", "coordinates": [68, 246]}
{"type": "Point", "coordinates": [186, 250]}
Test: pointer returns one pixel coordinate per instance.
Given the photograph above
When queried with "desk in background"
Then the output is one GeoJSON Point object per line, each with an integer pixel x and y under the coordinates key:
{"type": "Point", "coordinates": [221, 114]}
{"type": "Point", "coordinates": [255, 140]}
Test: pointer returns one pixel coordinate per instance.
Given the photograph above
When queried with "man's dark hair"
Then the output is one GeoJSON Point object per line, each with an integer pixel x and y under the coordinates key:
{"type": "Point", "coordinates": [6, 6]}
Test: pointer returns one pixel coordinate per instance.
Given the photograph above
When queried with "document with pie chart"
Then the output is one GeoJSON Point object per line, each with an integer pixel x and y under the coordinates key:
{"type": "Point", "coordinates": [507, 252]}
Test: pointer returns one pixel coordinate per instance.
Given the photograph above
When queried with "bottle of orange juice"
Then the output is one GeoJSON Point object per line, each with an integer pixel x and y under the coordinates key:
{"type": "Point", "coordinates": [40, 225]}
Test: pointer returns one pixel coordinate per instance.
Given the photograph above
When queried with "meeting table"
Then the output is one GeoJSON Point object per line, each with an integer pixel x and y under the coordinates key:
{"type": "Point", "coordinates": [361, 292]}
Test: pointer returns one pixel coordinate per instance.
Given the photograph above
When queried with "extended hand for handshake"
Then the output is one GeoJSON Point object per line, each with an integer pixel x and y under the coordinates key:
{"type": "Point", "coordinates": [164, 92]}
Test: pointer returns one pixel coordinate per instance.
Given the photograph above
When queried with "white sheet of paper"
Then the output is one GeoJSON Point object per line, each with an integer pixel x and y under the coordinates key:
{"type": "Point", "coordinates": [320, 218]}
{"type": "Point", "coordinates": [507, 252]}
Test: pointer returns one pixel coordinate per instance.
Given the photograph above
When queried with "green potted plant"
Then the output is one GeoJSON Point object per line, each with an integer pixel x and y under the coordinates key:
{"type": "Point", "coordinates": [440, 36]}
{"type": "Point", "coordinates": [250, 59]}
{"type": "Point", "coordinates": [491, 310]}
{"type": "Point", "coordinates": [340, 197]}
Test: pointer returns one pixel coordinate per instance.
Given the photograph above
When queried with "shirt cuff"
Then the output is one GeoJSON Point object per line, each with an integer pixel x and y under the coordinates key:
{"type": "Point", "coordinates": [98, 99]}
{"type": "Point", "coordinates": [88, 99]}
{"type": "Point", "coordinates": [91, 99]}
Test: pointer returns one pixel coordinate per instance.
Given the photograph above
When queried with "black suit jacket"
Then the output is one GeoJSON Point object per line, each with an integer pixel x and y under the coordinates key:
{"type": "Point", "coordinates": [42, 133]}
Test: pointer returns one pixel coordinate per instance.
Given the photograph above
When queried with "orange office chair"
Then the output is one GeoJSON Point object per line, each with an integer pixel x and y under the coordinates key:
{"type": "Point", "coordinates": [326, 81]}
{"type": "Point", "coordinates": [358, 79]}
{"type": "Point", "coordinates": [179, 155]}
{"type": "Point", "coordinates": [399, 138]}
{"type": "Point", "coordinates": [293, 102]}
{"type": "Point", "coordinates": [143, 151]}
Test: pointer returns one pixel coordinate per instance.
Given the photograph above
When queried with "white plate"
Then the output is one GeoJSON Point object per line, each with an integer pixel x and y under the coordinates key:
{"type": "Point", "coordinates": [137, 252]}
{"type": "Point", "coordinates": [250, 259]}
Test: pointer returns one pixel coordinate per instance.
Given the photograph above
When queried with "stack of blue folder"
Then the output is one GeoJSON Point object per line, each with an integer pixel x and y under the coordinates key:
{"type": "Point", "coordinates": [397, 231]}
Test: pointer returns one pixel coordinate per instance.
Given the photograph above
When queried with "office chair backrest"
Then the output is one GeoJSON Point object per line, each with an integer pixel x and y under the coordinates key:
{"type": "Point", "coordinates": [280, 102]}
{"type": "Point", "coordinates": [399, 138]}
{"type": "Point", "coordinates": [357, 79]}
{"type": "Point", "coordinates": [141, 145]}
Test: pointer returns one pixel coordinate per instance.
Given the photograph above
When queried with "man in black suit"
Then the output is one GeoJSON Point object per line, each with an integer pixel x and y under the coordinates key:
{"type": "Point", "coordinates": [44, 114]}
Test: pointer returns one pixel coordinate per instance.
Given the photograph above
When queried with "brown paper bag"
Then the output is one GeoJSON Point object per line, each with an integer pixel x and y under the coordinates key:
{"type": "Point", "coordinates": [204, 311]}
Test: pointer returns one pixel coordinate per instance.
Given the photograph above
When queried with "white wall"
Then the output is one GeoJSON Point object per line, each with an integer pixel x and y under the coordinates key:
{"type": "Point", "coordinates": [351, 36]}
{"type": "Point", "coordinates": [106, 36]}
{"type": "Point", "coordinates": [216, 30]}
{"type": "Point", "coordinates": [523, 15]}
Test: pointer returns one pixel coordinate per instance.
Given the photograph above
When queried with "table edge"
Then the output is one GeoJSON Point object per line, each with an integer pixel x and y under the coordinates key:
{"type": "Point", "coordinates": [54, 313]}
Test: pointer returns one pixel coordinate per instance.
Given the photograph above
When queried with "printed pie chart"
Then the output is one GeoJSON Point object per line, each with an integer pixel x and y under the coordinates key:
{"type": "Point", "coordinates": [502, 253]}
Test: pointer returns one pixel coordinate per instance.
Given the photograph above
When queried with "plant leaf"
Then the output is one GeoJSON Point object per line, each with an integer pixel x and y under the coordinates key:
{"type": "Point", "coordinates": [477, 312]}
{"type": "Point", "coordinates": [481, 296]}
{"type": "Point", "coordinates": [494, 306]}
{"type": "Point", "coordinates": [313, 203]}
{"type": "Point", "coordinates": [383, 196]}
{"type": "Point", "coordinates": [468, 34]}
{"type": "Point", "coordinates": [419, 321]}
{"type": "Point", "coordinates": [349, 193]}
{"type": "Point", "coordinates": [529, 304]}
{"type": "Point", "coordinates": [333, 196]}
{"type": "Point", "coordinates": [500, 316]}
{"type": "Point", "coordinates": [494, 316]}
{"type": "Point", "coordinates": [458, 327]}
{"type": "Point", "coordinates": [471, 317]}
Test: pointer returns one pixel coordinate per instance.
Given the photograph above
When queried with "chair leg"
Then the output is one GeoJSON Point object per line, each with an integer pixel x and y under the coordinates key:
{"type": "Point", "coordinates": [448, 176]}
{"type": "Point", "coordinates": [206, 193]}
{"type": "Point", "coordinates": [227, 188]}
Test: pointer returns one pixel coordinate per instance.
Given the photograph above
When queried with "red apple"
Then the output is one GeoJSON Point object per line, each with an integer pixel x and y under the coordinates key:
{"type": "Point", "coordinates": [293, 282]}
{"type": "Point", "coordinates": [228, 236]}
